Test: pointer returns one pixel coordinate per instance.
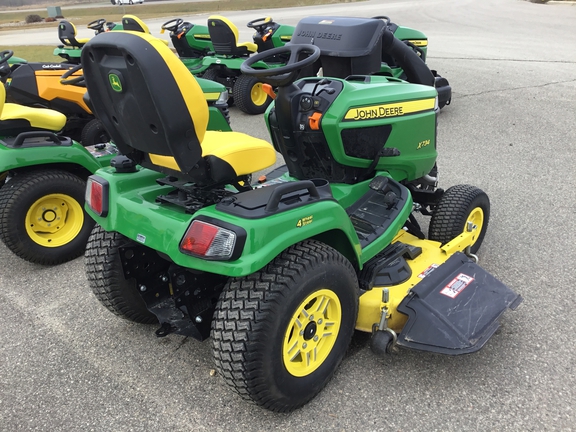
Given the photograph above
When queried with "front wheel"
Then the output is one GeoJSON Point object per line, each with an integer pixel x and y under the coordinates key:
{"type": "Point", "coordinates": [94, 133]}
{"type": "Point", "coordinates": [106, 277]}
{"type": "Point", "coordinates": [279, 334]}
{"type": "Point", "coordinates": [42, 219]}
{"type": "Point", "coordinates": [249, 96]}
{"type": "Point", "coordinates": [460, 208]}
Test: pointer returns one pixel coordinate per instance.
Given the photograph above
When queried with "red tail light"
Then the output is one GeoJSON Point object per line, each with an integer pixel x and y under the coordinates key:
{"type": "Point", "coordinates": [97, 195]}
{"type": "Point", "coordinates": [209, 241]}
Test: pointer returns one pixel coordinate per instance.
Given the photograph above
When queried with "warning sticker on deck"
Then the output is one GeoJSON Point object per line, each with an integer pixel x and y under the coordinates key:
{"type": "Point", "coordinates": [429, 270]}
{"type": "Point", "coordinates": [457, 285]}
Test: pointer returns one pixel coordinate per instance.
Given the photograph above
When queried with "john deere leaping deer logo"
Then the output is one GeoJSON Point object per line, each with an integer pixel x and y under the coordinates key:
{"type": "Point", "coordinates": [115, 82]}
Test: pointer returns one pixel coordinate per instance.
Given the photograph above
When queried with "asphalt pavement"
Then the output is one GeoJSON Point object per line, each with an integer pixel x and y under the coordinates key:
{"type": "Point", "coordinates": [67, 364]}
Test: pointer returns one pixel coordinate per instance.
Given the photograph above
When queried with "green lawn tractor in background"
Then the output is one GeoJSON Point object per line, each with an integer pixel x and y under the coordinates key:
{"type": "Point", "coordinates": [191, 42]}
{"type": "Point", "coordinates": [43, 171]}
{"type": "Point", "coordinates": [418, 41]}
{"type": "Point", "coordinates": [279, 274]}
{"type": "Point", "coordinates": [223, 65]}
{"type": "Point", "coordinates": [71, 46]}
{"type": "Point", "coordinates": [317, 30]}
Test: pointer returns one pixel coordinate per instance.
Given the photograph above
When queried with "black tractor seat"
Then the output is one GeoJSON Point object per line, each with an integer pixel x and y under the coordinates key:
{"type": "Point", "coordinates": [224, 36]}
{"type": "Point", "coordinates": [157, 115]}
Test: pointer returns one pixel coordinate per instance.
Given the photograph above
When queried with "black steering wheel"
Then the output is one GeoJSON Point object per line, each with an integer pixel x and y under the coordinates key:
{"type": "Point", "coordinates": [383, 18]}
{"type": "Point", "coordinates": [259, 24]}
{"type": "Point", "coordinates": [5, 55]}
{"type": "Point", "coordinates": [282, 75]}
{"type": "Point", "coordinates": [76, 81]}
{"type": "Point", "coordinates": [172, 25]}
{"type": "Point", "coordinates": [97, 25]}
{"type": "Point", "coordinates": [4, 66]}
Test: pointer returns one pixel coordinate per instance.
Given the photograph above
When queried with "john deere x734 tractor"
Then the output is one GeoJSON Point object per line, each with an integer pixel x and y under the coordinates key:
{"type": "Point", "coordinates": [280, 274]}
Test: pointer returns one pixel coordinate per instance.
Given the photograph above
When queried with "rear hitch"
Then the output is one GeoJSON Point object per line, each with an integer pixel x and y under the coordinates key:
{"type": "Point", "coordinates": [164, 330]}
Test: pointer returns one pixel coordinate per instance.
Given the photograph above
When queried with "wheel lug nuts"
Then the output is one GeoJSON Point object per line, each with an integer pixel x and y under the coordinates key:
{"type": "Point", "coordinates": [315, 338]}
{"type": "Point", "coordinates": [320, 321]}
{"type": "Point", "coordinates": [304, 345]}
{"type": "Point", "coordinates": [311, 317]}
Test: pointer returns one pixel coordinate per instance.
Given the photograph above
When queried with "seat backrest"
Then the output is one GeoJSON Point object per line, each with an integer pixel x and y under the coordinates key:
{"type": "Point", "coordinates": [67, 34]}
{"type": "Point", "coordinates": [2, 97]}
{"type": "Point", "coordinates": [147, 100]}
{"type": "Point", "coordinates": [224, 36]}
{"type": "Point", "coordinates": [133, 23]}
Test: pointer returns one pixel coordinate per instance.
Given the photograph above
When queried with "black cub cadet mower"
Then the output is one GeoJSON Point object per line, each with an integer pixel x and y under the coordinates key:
{"type": "Point", "coordinates": [279, 274]}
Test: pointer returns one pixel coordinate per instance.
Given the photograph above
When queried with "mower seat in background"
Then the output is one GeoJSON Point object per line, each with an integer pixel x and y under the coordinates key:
{"type": "Point", "coordinates": [67, 35]}
{"type": "Point", "coordinates": [156, 113]}
{"type": "Point", "coordinates": [133, 23]}
{"type": "Point", "coordinates": [224, 36]}
{"type": "Point", "coordinates": [15, 118]}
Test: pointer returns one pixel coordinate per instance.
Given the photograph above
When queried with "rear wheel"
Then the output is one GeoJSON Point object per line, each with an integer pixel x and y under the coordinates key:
{"type": "Point", "coordinates": [249, 96]}
{"type": "Point", "coordinates": [94, 133]}
{"type": "Point", "coordinates": [461, 206]}
{"type": "Point", "coordinates": [42, 219]}
{"type": "Point", "coordinates": [106, 277]}
{"type": "Point", "coordinates": [279, 334]}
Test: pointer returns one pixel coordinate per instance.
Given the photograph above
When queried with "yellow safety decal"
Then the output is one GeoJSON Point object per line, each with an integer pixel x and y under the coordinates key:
{"type": "Point", "coordinates": [304, 221]}
{"type": "Point", "coordinates": [419, 42]}
{"type": "Point", "coordinates": [202, 36]}
{"type": "Point", "coordinates": [389, 110]}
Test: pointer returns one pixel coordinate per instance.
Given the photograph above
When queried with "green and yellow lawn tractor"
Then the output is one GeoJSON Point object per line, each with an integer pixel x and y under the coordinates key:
{"type": "Point", "coordinates": [43, 171]}
{"type": "Point", "coordinates": [223, 63]}
{"type": "Point", "coordinates": [279, 274]}
{"type": "Point", "coordinates": [71, 47]}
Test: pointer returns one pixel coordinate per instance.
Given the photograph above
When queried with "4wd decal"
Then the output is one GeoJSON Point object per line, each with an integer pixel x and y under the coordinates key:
{"type": "Point", "coordinates": [457, 285]}
{"type": "Point", "coordinates": [304, 221]}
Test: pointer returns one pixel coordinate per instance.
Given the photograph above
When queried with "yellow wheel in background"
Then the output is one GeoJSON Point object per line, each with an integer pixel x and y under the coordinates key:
{"type": "Point", "coordinates": [54, 220]}
{"type": "Point", "coordinates": [42, 218]}
{"type": "Point", "coordinates": [249, 96]}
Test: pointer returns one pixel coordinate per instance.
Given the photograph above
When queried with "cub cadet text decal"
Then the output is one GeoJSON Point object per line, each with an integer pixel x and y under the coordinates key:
{"type": "Point", "coordinates": [304, 221]}
{"type": "Point", "coordinates": [457, 285]}
{"type": "Point", "coordinates": [389, 110]}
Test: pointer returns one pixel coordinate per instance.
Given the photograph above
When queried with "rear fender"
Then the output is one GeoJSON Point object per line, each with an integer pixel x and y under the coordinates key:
{"type": "Point", "coordinates": [18, 158]}
{"type": "Point", "coordinates": [136, 215]}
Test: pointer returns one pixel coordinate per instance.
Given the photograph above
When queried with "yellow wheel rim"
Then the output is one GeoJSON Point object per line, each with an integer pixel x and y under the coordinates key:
{"type": "Point", "coordinates": [54, 220]}
{"type": "Point", "coordinates": [258, 95]}
{"type": "Point", "coordinates": [476, 220]}
{"type": "Point", "coordinates": [312, 333]}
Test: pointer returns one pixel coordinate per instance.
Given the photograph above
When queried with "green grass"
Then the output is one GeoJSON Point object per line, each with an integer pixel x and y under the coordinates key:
{"type": "Point", "coordinates": [154, 10]}
{"type": "Point", "coordinates": [37, 53]}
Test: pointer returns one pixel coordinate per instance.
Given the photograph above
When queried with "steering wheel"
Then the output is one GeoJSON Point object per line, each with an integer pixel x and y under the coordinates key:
{"type": "Point", "coordinates": [384, 18]}
{"type": "Point", "coordinates": [97, 25]}
{"type": "Point", "coordinates": [172, 25]}
{"type": "Point", "coordinates": [4, 66]}
{"type": "Point", "coordinates": [282, 75]}
{"type": "Point", "coordinates": [76, 81]}
{"type": "Point", "coordinates": [5, 55]}
{"type": "Point", "coordinates": [259, 24]}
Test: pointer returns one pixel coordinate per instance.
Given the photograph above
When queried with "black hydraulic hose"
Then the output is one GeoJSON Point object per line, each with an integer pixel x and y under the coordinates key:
{"type": "Point", "coordinates": [415, 69]}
